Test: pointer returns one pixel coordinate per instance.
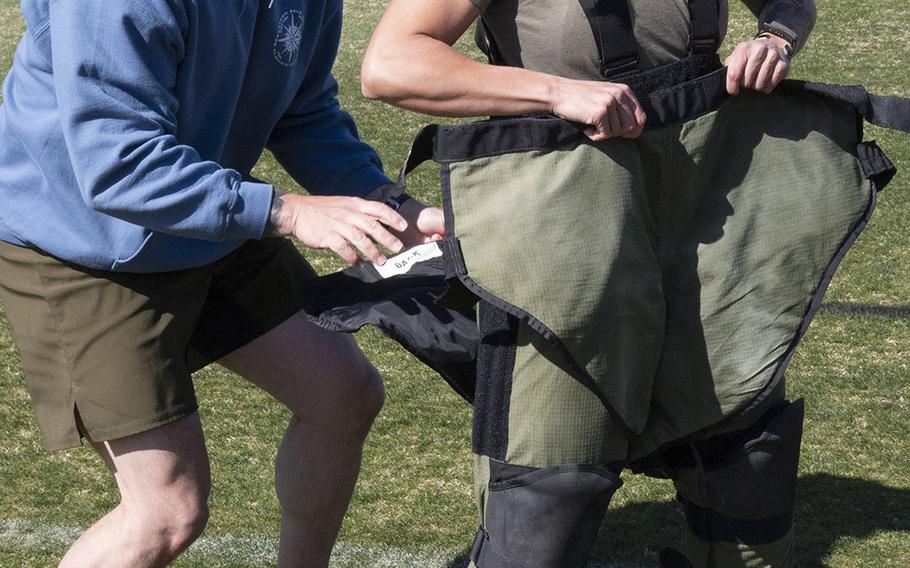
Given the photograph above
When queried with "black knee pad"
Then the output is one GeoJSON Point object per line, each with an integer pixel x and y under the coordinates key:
{"type": "Point", "coordinates": [747, 481]}
{"type": "Point", "coordinates": [542, 518]}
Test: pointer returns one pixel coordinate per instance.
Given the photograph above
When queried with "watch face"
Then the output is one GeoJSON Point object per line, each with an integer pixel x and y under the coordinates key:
{"type": "Point", "coordinates": [393, 201]}
{"type": "Point", "coordinates": [781, 31]}
{"type": "Point", "coordinates": [396, 201]}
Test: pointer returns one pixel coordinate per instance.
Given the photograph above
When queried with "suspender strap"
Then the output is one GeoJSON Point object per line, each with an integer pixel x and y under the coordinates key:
{"type": "Point", "coordinates": [704, 34]}
{"type": "Point", "coordinates": [487, 43]}
{"type": "Point", "coordinates": [611, 23]}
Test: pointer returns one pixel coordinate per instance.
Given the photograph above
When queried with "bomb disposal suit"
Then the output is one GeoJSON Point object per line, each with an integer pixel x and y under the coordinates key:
{"type": "Point", "coordinates": [641, 298]}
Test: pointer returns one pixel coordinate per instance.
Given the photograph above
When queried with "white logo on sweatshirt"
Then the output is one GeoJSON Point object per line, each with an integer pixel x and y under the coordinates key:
{"type": "Point", "coordinates": [290, 34]}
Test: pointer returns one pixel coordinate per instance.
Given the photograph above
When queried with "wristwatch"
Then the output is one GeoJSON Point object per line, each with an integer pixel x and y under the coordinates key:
{"type": "Point", "coordinates": [780, 30]}
{"type": "Point", "coordinates": [391, 195]}
{"type": "Point", "coordinates": [788, 51]}
{"type": "Point", "coordinates": [396, 201]}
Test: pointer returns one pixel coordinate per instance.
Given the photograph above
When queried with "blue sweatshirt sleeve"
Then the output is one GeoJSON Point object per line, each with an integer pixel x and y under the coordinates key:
{"type": "Point", "coordinates": [115, 66]}
{"type": "Point", "coordinates": [316, 141]}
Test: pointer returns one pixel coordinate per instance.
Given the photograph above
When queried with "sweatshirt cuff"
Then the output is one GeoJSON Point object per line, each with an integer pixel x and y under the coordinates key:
{"type": "Point", "coordinates": [249, 212]}
{"type": "Point", "coordinates": [361, 181]}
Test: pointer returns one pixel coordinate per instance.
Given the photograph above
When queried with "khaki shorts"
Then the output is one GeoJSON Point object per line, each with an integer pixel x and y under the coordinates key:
{"type": "Point", "coordinates": [109, 354]}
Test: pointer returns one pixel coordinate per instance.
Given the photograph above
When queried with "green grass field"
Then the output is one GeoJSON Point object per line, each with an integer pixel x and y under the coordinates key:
{"type": "Point", "coordinates": [413, 505]}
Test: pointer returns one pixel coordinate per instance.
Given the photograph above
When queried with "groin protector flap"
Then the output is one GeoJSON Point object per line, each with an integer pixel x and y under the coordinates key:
{"type": "Point", "coordinates": [681, 264]}
{"type": "Point", "coordinates": [401, 299]}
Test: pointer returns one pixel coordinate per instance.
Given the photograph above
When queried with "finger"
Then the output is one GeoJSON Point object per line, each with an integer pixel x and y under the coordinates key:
{"type": "Point", "coordinates": [431, 221]}
{"type": "Point", "coordinates": [614, 121]}
{"type": "Point", "coordinates": [634, 118]}
{"type": "Point", "coordinates": [595, 133]}
{"type": "Point", "coordinates": [377, 232]}
{"type": "Point", "coordinates": [641, 119]}
{"type": "Point", "coordinates": [634, 133]}
{"type": "Point", "coordinates": [735, 68]}
{"type": "Point", "coordinates": [383, 213]}
{"type": "Point", "coordinates": [640, 116]}
{"type": "Point", "coordinates": [628, 118]}
{"type": "Point", "coordinates": [363, 243]}
{"type": "Point", "coordinates": [763, 78]}
{"type": "Point", "coordinates": [781, 70]}
{"type": "Point", "coordinates": [754, 63]}
{"type": "Point", "coordinates": [337, 244]}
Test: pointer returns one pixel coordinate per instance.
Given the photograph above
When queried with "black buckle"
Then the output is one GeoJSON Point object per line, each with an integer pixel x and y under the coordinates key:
{"type": "Point", "coordinates": [618, 68]}
{"type": "Point", "coordinates": [703, 45]}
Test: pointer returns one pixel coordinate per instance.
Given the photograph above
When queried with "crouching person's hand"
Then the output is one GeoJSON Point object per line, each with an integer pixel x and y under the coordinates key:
{"type": "Point", "coordinates": [351, 227]}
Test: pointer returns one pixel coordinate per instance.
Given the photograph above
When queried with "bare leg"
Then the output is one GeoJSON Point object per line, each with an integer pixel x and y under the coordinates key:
{"type": "Point", "coordinates": [163, 477]}
{"type": "Point", "coordinates": [334, 394]}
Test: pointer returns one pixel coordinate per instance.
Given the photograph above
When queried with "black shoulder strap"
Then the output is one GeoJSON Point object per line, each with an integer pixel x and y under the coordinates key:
{"type": "Point", "coordinates": [704, 34]}
{"type": "Point", "coordinates": [487, 43]}
{"type": "Point", "coordinates": [611, 23]}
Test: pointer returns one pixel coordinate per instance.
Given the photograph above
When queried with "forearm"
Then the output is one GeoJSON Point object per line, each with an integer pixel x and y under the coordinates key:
{"type": "Point", "coordinates": [795, 16]}
{"type": "Point", "coordinates": [423, 74]}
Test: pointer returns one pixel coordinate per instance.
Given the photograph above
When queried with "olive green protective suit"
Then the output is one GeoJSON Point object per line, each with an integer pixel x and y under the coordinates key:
{"type": "Point", "coordinates": [640, 298]}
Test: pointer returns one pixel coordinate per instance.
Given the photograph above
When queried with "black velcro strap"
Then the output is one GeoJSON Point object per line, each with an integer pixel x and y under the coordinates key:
{"type": "Point", "coordinates": [453, 258]}
{"type": "Point", "coordinates": [704, 35]}
{"type": "Point", "coordinates": [876, 165]}
{"type": "Point", "coordinates": [711, 526]}
{"type": "Point", "coordinates": [485, 554]}
{"type": "Point", "coordinates": [421, 150]}
{"type": "Point", "coordinates": [611, 22]}
{"type": "Point", "coordinates": [493, 392]}
{"type": "Point", "coordinates": [884, 111]}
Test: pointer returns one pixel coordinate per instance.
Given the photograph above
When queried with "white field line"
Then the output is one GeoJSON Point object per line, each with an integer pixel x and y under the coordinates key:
{"type": "Point", "coordinates": [38, 536]}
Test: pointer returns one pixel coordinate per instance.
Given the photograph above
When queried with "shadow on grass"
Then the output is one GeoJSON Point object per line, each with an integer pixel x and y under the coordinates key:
{"type": "Point", "coordinates": [871, 310]}
{"type": "Point", "coordinates": [829, 508]}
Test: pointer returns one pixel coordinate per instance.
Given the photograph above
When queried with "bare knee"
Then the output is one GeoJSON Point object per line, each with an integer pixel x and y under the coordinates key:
{"type": "Point", "coordinates": [368, 395]}
{"type": "Point", "coordinates": [171, 525]}
{"type": "Point", "coordinates": [351, 400]}
{"type": "Point", "coordinates": [188, 526]}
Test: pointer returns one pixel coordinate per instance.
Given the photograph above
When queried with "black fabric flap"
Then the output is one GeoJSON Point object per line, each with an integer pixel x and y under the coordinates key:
{"type": "Point", "coordinates": [876, 165]}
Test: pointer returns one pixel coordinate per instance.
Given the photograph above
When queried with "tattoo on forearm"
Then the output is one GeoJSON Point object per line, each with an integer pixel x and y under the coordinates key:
{"type": "Point", "coordinates": [271, 228]}
{"type": "Point", "coordinates": [798, 15]}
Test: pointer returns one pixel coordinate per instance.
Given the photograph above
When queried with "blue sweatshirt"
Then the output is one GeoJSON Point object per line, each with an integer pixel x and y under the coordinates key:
{"type": "Point", "coordinates": [128, 128]}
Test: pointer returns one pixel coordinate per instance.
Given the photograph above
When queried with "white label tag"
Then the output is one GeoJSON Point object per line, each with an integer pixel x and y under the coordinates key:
{"type": "Point", "coordinates": [402, 263]}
